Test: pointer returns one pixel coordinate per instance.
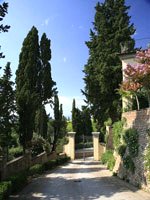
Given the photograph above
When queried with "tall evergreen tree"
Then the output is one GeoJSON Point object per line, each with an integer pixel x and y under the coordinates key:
{"type": "Point", "coordinates": [7, 106]}
{"type": "Point", "coordinates": [57, 123]}
{"type": "Point", "coordinates": [73, 115]}
{"type": "Point", "coordinates": [45, 78]}
{"type": "Point", "coordinates": [41, 122]}
{"type": "Point", "coordinates": [46, 85]}
{"type": "Point", "coordinates": [27, 96]}
{"type": "Point", "coordinates": [87, 122]}
{"type": "Point", "coordinates": [112, 30]}
{"type": "Point", "coordinates": [3, 28]}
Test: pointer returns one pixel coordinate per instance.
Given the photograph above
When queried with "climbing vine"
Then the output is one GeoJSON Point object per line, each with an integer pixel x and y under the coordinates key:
{"type": "Point", "coordinates": [117, 133]}
{"type": "Point", "coordinates": [129, 149]}
{"type": "Point", "coordinates": [131, 139]}
{"type": "Point", "coordinates": [128, 163]}
{"type": "Point", "coordinates": [126, 144]}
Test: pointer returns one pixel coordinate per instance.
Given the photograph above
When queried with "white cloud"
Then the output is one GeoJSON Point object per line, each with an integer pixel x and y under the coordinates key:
{"type": "Point", "coordinates": [46, 22]}
{"type": "Point", "coordinates": [64, 59]}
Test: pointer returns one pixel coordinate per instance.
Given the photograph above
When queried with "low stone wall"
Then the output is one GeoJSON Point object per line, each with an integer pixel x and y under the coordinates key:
{"type": "Point", "coordinates": [140, 120]}
{"type": "Point", "coordinates": [24, 162]}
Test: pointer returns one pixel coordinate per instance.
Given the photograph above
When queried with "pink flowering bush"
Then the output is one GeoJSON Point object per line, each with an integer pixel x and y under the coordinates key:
{"type": "Point", "coordinates": [137, 76]}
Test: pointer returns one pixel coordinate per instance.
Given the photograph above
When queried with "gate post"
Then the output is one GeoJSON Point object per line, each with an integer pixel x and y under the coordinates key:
{"type": "Point", "coordinates": [96, 145]}
{"type": "Point", "coordinates": [71, 136]}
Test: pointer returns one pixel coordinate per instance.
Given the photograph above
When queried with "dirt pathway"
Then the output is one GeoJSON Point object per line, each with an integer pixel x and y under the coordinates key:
{"type": "Point", "coordinates": [80, 180]}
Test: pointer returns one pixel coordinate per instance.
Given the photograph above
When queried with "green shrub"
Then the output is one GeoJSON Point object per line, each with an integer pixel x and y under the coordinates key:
{"type": "Point", "coordinates": [128, 163]}
{"type": "Point", "coordinates": [49, 165]}
{"type": "Point", "coordinates": [37, 145]}
{"type": "Point", "coordinates": [47, 147]}
{"type": "Point", "coordinates": [36, 169]}
{"type": "Point", "coordinates": [131, 139]}
{"type": "Point", "coordinates": [122, 150]}
{"type": "Point", "coordinates": [117, 133]}
{"type": "Point", "coordinates": [15, 152]}
{"type": "Point", "coordinates": [108, 159]}
{"type": "Point", "coordinates": [5, 190]}
{"type": "Point", "coordinates": [69, 126]}
{"type": "Point", "coordinates": [60, 143]}
{"type": "Point", "coordinates": [108, 122]}
{"type": "Point", "coordinates": [18, 180]}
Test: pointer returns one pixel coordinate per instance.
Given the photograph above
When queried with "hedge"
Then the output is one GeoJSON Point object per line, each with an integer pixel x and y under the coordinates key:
{"type": "Point", "coordinates": [5, 189]}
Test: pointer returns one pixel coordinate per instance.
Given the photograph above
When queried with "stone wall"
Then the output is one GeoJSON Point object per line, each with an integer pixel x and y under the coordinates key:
{"type": "Point", "coordinates": [140, 120]}
{"type": "Point", "coordinates": [24, 162]}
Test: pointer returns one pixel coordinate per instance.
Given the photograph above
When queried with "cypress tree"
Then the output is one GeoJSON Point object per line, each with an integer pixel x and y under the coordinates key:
{"type": "Point", "coordinates": [112, 30]}
{"type": "Point", "coordinates": [46, 85]}
{"type": "Point", "coordinates": [45, 78]}
{"type": "Point", "coordinates": [57, 123]}
{"type": "Point", "coordinates": [7, 106]}
{"type": "Point", "coordinates": [87, 122]}
{"type": "Point", "coordinates": [73, 115]}
{"type": "Point", "coordinates": [41, 120]}
{"type": "Point", "coordinates": [27, 96]}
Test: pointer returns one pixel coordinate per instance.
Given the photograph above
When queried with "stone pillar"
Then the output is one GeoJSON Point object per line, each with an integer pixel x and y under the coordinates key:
{"type": "Point", "coordinates": [71, 136]}
{"type": "Point", "coordinates": [96, 145]}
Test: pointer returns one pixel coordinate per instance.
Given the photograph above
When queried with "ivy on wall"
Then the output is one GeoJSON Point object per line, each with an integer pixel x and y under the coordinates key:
{"type": "Point", "coordinates": [126, 144]}
{"type": "Point", "coordinates": [129, 149]}
{"type": "Point", "coordinates": [117, 133]}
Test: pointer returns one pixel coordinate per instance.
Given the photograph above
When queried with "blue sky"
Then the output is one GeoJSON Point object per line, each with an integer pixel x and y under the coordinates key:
{"type": "Point", "coordinates": [67, 24]}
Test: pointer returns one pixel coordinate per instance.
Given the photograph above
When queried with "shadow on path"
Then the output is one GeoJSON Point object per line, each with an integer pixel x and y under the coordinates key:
{"type": "Point", "coordinates": [80, 181]}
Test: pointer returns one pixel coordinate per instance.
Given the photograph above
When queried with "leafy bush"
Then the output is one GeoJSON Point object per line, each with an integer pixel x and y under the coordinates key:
{"type": "Point", "coordinates": [39, 145]}
{"type": "Point", "coordinates": [47, 147]}
{"type": "Point", "coordinates": [36, 169]}
{"type": "Point", "coordinates": [18, 180]}
{"type": "Point", "coordinates": [5, 190]}
{"type": "Point", "coordinates": [108, 159]}
{"type": "Point", "coordinates": [122, 150]}
{"type": "Point", "coordinates": [69, 126]}
{"type": "Point", "coordinates": [117, 133]}
{"type": "Point", "coordinates": [62, 160]}
{"type": "Point", "coordinates": [108, 122]}
{"type": "Point", "coordinates": [49, 165]}
{"type": "Point", "coordinates": [60, 143]}
{"type": "Point", "coordinates": [128, 163]}
{"type": "Point", "coordinates": [15, 152]}
{"type": "Point", "coordinates": [131, 139]}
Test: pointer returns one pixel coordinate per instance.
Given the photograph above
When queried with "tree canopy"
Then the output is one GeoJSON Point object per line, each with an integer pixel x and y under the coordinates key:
{"type": "Point", "coordinates": [7, 106]}
{"type": "Point", "coordinates": [3, 28]}
{"type": "Point", "coordinates": [110, 36]}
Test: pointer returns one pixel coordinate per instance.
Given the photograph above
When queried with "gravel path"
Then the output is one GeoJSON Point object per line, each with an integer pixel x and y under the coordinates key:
{"type": "Point", "coordinates": [80, 180]}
